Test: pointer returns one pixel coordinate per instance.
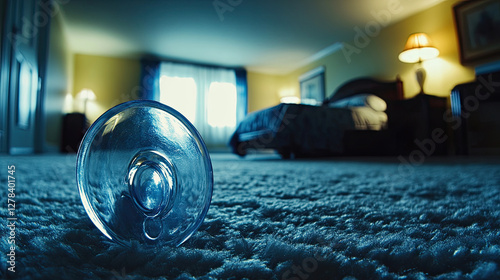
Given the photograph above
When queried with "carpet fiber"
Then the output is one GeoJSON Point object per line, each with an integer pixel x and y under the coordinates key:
{"type": "Point", "coordinates": [274, 219]}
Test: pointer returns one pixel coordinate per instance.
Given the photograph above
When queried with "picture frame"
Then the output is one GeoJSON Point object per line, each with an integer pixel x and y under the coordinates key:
{"type": "Point", "coordinates": [312, 86]}
{"type": "Point", "coordinates": [478, 30]}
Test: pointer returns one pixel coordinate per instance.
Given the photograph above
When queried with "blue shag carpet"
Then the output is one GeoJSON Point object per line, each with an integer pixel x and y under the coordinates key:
{"type": "Point", "coordinates": [274, 219]}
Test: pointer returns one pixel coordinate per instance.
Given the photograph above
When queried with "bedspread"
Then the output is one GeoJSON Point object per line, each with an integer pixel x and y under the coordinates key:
{"type": "Point", "coordinates": [302, 129]}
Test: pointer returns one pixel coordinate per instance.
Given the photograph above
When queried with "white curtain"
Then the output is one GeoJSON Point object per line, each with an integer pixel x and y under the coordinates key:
{"type": "Point", "coordinates": [205, 95]}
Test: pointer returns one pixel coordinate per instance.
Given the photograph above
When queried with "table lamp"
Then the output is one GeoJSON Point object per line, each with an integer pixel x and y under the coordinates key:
{"type": "Point", "coordinates": [417, 49]}
{"type": "Point", "coordinates": [86, 95]}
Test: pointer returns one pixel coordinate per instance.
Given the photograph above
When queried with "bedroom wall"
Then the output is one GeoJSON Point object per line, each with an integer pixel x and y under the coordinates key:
{"type": "Point", "coordinates": [379, 56]}
{"type": "Point", "coordinates": [113, 80]}
{"type": "Point", "coordinates": [263, 90]}
{"type": "Point", "coordinates": [58, 83]}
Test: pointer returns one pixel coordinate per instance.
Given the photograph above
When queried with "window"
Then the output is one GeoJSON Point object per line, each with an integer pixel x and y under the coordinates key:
{"type": "Point", "coordinates": [221, 105]}
{"type": "Point", "coordinates": [206, 96]}
{"type": "Point", "coordinates": [180, 94]}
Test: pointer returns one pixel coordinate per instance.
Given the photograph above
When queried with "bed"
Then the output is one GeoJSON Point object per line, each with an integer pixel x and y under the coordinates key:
{"type": "Point", "coordinates": [356, 119]}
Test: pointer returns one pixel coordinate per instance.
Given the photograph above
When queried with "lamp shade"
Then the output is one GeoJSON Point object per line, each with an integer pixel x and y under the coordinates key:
{"type": "Point", "coordinates": [418, 48]}
{"type": "Point", "coordinates": [86, 94]}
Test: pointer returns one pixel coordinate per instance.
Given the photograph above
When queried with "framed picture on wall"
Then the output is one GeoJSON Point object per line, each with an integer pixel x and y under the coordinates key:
{"type": "Point", "coordinates": [312, 86]}
{"type": "Point", "coordinates": [478, 29]}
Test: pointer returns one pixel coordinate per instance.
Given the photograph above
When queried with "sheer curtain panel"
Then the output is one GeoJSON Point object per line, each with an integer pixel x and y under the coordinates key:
{"type": "Point", "coordinates": [207, 96]}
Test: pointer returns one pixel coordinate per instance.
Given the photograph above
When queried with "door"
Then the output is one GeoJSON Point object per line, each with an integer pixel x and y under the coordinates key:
{"type": "Point", "coordinates": [24, 80]}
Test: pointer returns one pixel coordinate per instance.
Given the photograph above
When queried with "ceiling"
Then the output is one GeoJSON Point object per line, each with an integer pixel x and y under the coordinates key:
{"type": "Point", "coordinates": [271, 36]}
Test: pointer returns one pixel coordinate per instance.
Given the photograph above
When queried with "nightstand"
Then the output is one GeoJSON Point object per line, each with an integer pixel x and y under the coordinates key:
{"type": "Point", "coordinates": [419, 124]}
{"type": "Point", "coordinates": [73, 129]}
{"type": "Point", "coordinates": [475, 106]}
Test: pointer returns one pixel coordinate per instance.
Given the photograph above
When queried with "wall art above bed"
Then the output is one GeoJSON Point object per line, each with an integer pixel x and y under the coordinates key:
{"type": "Point", "coordinates": [312, 86]}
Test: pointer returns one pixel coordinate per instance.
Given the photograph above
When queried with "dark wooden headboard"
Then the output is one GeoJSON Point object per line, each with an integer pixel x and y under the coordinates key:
{"type": "Point", "coordinates": [387, 90]}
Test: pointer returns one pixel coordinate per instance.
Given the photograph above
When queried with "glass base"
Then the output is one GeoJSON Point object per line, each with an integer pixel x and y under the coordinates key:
{"type": "Point", "coordinates": [144, 174]}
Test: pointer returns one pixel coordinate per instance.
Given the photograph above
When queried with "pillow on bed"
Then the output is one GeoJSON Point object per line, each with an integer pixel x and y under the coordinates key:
{"type": "Point", "coordinates": [365, 118]}
{"type": "Point", "coordinates": [361, 100]}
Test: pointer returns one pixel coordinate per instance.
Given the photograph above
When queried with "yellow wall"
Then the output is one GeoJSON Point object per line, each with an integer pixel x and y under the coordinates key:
{"type": "Point", "coordinates": [263, 90]}
{"type": "Point", "coordinates": [379, 58]}
{"type": "Point", "coordinates": [116, 80]}
{"type": "Point", "coordinates": [113, 80]}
